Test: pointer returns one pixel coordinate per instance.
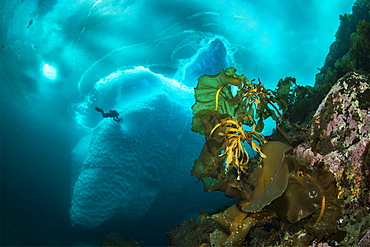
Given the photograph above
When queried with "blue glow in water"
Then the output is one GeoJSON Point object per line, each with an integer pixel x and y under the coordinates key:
{"type": "Point", "coordinates": [141, 58]}
{"type": "Point", "coordinates": [49, 71]}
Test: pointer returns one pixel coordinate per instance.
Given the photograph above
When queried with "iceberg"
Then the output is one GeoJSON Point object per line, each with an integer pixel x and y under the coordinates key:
{"type": "Point", "coordinates": [138, 170]}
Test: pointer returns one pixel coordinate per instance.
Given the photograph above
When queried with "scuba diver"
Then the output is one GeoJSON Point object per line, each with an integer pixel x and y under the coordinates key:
{"type": "Point", "coordinates": [112, 113]}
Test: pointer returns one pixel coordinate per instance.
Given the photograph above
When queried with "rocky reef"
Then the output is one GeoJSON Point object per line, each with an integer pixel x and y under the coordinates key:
{"type": "Point", "coordinates": [339, 139]}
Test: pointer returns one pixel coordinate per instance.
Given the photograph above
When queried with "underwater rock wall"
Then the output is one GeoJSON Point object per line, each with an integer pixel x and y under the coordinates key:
{"type": "Point", "coordinates": [340, 139]}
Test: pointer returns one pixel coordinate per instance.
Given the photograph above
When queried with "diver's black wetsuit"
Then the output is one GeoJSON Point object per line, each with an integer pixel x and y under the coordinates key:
{"type": "Point", "coordinates": [112, 113]}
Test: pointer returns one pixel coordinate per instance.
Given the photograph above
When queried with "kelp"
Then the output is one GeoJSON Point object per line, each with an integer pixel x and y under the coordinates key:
{"type": "Point", "coordinates": [303, 196]}
{"type": "Point", "coordinates": [273, 179]}
{"type": "Point", "coordinates": [250, 101]}
{"type": "Point", "coordinates": [222, 114]}
{"type": "Point", "coordinates": [301, 101]}
{"type": "Point", "coordinates": [235, 225]}
{"type": "Point", "coordinates": [229, 111]}
{"type": "Point", "coordinates": [214, 93]}
{"type": "Point", "coordinates": [296, 195]}
{"type": "Point", "coordinates": [323, 221]}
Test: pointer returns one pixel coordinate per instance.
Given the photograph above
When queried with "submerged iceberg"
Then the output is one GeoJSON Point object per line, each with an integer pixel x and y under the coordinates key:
{"type": "Point", "coordinates": [139, 170]}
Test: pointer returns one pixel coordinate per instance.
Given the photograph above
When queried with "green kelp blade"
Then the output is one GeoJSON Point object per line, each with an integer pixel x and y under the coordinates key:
{"type": "Point", "coordinates": [205, 120]}
{"type": "Point", "coordinates": [209, 164]}
{"type": "Point", "coordinates": [213, 92]}
{"type": "Point", "coordinates": [274, 176]}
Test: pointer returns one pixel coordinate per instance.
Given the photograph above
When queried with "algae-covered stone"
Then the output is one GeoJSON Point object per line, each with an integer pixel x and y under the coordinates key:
{"type": "Point", "coordinates": [339, 139]}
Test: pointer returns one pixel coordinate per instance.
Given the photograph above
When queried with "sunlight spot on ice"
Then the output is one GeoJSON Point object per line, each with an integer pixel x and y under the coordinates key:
{"type": "Point", "coordinates": [49, 71]}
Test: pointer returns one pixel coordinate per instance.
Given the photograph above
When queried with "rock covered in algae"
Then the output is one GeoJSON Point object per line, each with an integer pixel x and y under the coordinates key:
{"type": "Point", "coordinates": [193, 232]}
{"type": "Point", "coordinates": [339, 139]}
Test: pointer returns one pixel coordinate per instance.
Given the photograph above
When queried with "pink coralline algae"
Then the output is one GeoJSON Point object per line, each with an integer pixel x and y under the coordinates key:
{"type": "Point", "coordinates": [339, 140]}
{"type": "Point", "coordinates": [365, 241]}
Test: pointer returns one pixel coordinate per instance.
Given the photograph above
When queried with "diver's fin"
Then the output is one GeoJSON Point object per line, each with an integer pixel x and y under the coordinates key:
{"type": "Point", "coordinates": [99, 110]}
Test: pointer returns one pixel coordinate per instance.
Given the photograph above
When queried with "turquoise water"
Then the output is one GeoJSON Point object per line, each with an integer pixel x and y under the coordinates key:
{"type": "Point", "coordinates": [60, 59]}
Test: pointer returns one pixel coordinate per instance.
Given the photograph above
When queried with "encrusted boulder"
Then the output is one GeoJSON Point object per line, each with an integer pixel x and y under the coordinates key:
{"type": "Point", "coordinates": [339, 139]}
